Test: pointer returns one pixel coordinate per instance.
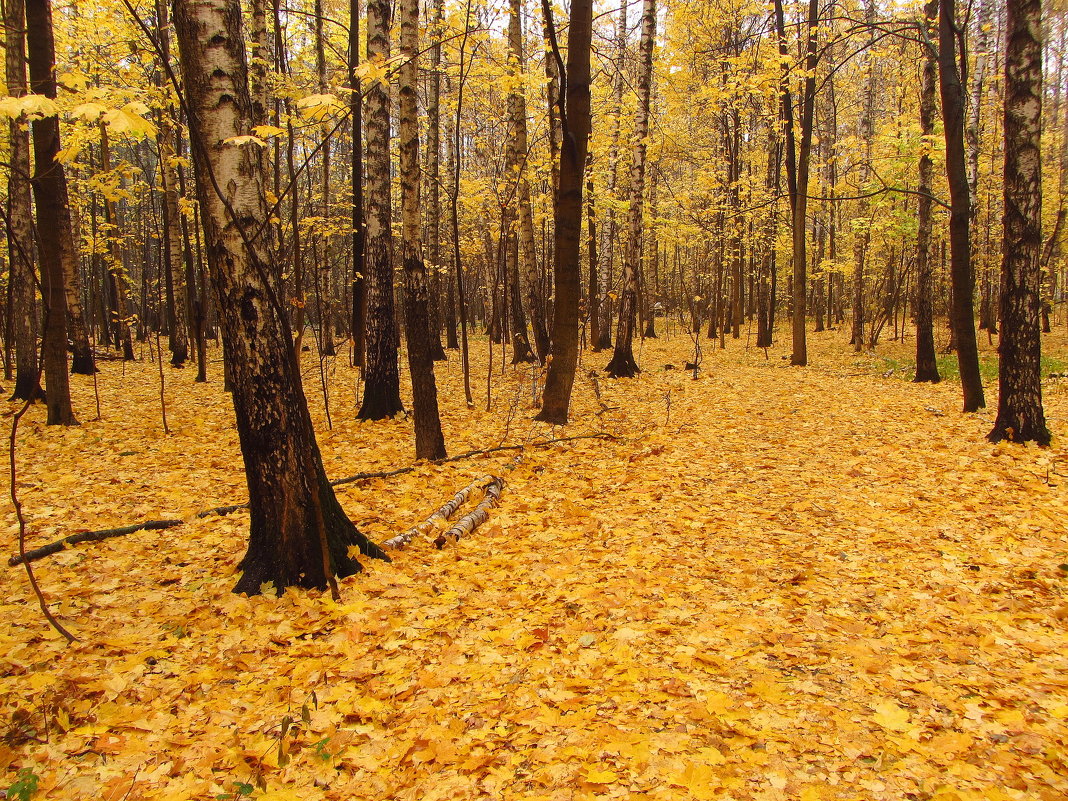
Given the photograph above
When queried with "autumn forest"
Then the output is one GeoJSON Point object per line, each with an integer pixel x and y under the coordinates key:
{"type": "Point", "coordinates": [532, 399]}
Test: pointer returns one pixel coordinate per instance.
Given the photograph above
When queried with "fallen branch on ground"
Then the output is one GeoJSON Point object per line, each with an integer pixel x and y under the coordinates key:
{"type": "Point", "coordinates": [439, 517]}
{"type": "Point", "coordinates": [157, 525]}
{"type": "Point", "coordinates": [476, 517]}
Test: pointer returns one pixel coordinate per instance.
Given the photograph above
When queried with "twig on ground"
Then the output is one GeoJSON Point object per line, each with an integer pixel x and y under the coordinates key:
{"type": "Point", "coordinates": [156, 525]}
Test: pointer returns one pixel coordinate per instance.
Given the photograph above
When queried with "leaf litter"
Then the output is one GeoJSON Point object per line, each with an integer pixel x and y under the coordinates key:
{"type": "Point", "coordinates": [775, 584]}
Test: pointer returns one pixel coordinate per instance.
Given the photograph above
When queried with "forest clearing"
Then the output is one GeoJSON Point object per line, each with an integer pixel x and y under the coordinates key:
{"type": "Point", "coordinates": [770, 583]}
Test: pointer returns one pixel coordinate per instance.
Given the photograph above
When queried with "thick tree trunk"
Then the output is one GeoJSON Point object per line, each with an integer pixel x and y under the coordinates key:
{"type": "Point", "coordinates": [299, 534]}
{"type": "Point", "coordinates": [1020, 416]}
{"type": "Point", "coordinates": [429, 441]}
{"type": "Point", "coordinates": [926, 361]}
{"type": "Point", "coordinates": [20, 217]}
{"type": "Point", "coordinates": [963, 278]}
{"type": "Point", "coordinates": [54, 243]}
{"type": "Point", "coordinates": [381, 389]}
{"type": "Point", "coordinates": [623, 364]}
{"type": "Point", "coordinates": [575, 109]}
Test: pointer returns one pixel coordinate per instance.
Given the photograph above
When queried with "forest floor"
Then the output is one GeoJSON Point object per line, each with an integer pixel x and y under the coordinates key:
{"type": "Point", "coordinates": [773, 583]}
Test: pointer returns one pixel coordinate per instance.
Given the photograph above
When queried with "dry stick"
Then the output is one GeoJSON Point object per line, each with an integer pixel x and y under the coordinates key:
{"type": "Point", "coordinates": [476, 517]}
{"type": "Point", "coordinates": [22, 520]}
{"type": "Point", "coordinates": [446, 512]}
{"type": "Point", "coordinates": [153, 525]}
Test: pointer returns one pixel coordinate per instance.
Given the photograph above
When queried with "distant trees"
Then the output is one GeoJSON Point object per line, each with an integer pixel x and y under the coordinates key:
{"type": "Point", "coordinates": [814, 191]}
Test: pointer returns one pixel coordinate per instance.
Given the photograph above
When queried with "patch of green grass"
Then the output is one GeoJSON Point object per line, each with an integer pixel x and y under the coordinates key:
{"type": "Point", "coordinates": [947, 367]}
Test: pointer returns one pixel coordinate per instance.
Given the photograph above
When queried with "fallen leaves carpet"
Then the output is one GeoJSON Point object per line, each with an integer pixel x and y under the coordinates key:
{"type": "Point", "coordinates": [775, 583]}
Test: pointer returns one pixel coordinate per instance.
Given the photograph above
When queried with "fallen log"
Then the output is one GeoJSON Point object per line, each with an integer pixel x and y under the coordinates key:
{"type": "Point", "coordinates": [443, 514]}
{"type": "Point", "coordinates": [156, 525]}
{"type": "Point", "coordinates": [476, 517]}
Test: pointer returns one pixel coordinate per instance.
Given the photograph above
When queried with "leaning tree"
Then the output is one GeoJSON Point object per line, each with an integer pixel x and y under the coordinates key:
{"type": "Point", "coordinates": [299, 534]}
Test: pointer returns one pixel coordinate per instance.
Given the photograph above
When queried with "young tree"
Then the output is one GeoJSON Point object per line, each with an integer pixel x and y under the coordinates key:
{"type": "Point", "coordinates": [429, 441]}
{"type": "Point", "coordinates": [55, 246]}
{"type": "Point", "coordinates": [299, 534]}
{"type": "Point", "coordinates": [1020, 416]}
{"type": "Point", "coordinates": [381, 388]}
{"type": "Point", "coordinates": [359, 284]}
{"type": "Point", "coordinates": [961, 274]}
{"type": "Point", "coordinates": [623, 364]}
{"type": "Point", "coordinates": [518, 145]}
{"type": "Point", "coordinates": [574, 105]}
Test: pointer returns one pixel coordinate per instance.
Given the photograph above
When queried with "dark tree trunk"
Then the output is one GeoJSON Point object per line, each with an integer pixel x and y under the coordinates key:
{"type": "Point", "coordinates": [429, 440]}
{"type": "Point", "coordinates": [575, 112]}
{"type": "Point", "coordinates": [299, 534]}
{"type": "Point", "coordinates": [926, 363]}
{"type": "Point", "coordinates": [23, 296]}
{"type": "Point", "coordinates": [1020, 415]}
{"type": "Point", "coordinates": [54, 242]}
{"type": "Point", "coordinates": [381, 389]}
{"type": "Point", "coordinates": [963, 278]}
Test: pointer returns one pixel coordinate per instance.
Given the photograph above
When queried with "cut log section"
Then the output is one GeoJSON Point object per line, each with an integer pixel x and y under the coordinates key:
{"type": "Point", "coordinates": [476, 517]}
{"type": "Point", "coordinates": [439, 517]}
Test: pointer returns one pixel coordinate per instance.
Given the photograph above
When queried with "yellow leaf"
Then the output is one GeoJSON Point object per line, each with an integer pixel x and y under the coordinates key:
{"type": "Point", "coordinates": [594, 776]}
{"type": "Point", "coordinates": [891, 716]}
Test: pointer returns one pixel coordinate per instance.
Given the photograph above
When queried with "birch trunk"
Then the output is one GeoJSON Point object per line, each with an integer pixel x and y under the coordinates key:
{"type": "Point", "coordinates": [926, 361]}
{"type": "Point", "coordinates": [299, 534]}
{"type": "Point", "coordinates": [429, 441]}
{"type": "Point", "coordinates": [20, 215]}
{"type": "Point", "coordinates": [381, 389]}
{"type": "Point", "coordinates": [604, 279]}
{"type": "Point", "coordinates": [623, 364]}
{"type": "Point", "coordinates": [517, 110]}
{"type": "Point", "coordinates": [1020, 415]}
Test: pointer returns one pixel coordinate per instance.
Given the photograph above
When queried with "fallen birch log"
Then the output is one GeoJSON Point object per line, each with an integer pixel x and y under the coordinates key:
{"type": "Point", "coordinates": [476, 517]}
{"type": "Point", "coordinates": [156, 525]}
{"type": "Point", "coordinates": [439, 517]}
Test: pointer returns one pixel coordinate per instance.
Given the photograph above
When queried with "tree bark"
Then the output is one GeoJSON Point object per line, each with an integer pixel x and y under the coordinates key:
{"type": "Point", "coordinates": [623, 364]}
{"type": "Point", "coordinates": [299, 534]}
{"type": "Point", "coordinates": [963, 278]}
{"type": "Point", "coordinates": [381, 389]}
{"type": "Point", "coordinates": [1020, 415]}
{"type": "Point", "coordinates": [429, 441]}
{"type": "Point", "coordinates": [359, 283]}
{"type": "Point", "coordinates": [926, 360]}
{"type": "Point", "coordinates": [23, 321]}
{"type": "Point", "coordinates": [604, 339]}
{"type": "Point", "coordinates": [433, 168]}
{"type": "Point", "coordinates": [55, 245]}
{"type": "Point", "coordinates": [517, 112]}
{"type": "Point", "coordinates": [115, 269]}
{"type": "Point", "coordinates": [177, 306]}
{"type": "Point", "coordinates": [575, 111]}
{"type": "Point", "coordinates": [799, 354]}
